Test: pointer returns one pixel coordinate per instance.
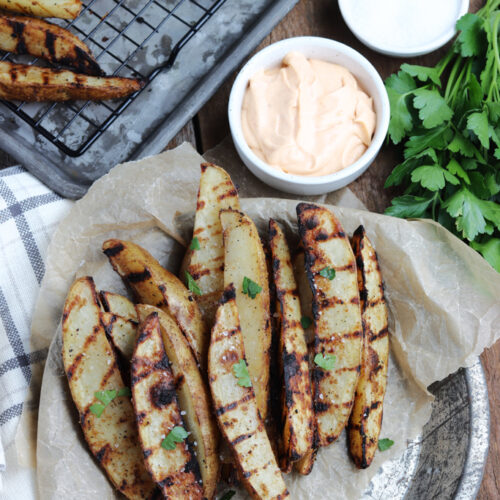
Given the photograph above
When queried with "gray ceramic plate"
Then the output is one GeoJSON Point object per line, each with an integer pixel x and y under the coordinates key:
{"type": "Point", "coordinates": [448, 460]}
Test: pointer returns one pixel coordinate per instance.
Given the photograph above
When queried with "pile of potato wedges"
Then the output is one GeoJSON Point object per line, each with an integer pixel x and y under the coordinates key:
{"type": "Point", "coordinates": [21, 34]}
{"type": "Point", "coordinates": [257, 352]}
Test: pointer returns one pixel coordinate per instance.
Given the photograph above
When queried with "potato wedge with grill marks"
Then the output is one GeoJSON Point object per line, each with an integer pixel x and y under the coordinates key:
{"type": "Point", "coordinates": [90, 366]}
{"type": "Point", "coordinates": [236, 406]}
{"type": "Point", "coordinates": [192, 395]}
{"type": "Point", "coordinates": [366, 417]}
{"type": "Point", "coordinates": [21, 82]}
{"type": "Point", "coordinates": [119, 305]}
{"type": "Point", "coordinates": [331, 270]}
{"type": "Point", "coordinates": [120, 332]}
{"type": "Point", "coordinates": [297, 409]}
{"type": "Point", "coordinates": [27, 35]}
{"type": "Point", "coordinates": [175, 470]}
{"type": "Point", "coordinates": [154, 285]}
{"type": "Point", "coordinates": [245, 258]}
{"type": "Point", "coordinates": [62, 9]}
{"type": "Point", "coordinates": [206, 264]}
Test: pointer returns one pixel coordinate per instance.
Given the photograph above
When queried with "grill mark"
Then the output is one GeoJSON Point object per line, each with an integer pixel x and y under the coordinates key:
{"type": "Point", "coordinates": [322, 235]}
{"type": "Point", "coordinates": [198, 274]}
{"type": "Point", "coordinates": [231, 406]}
{"type": "Point", "coordinates": [227, 194]}
{"type": "Point", "coordinates": [108, 374]}
{"type": "Point", "coordinates": [101, 454]}
{"type": "Point", "coordinates": [114, 250]}
{"type": "Point", "coordinates": [356, 368]}
{"type": "Point", "coordinates": [200, 204]}
{"type": "Point", "coordinates": [140, 417]}
{"type": "Point", "coordinates": [18, 33]}
{"type": "Point", "coordinates": [321, 406]}
{"type": "Point", "coordinates": [138, 277]}
{"type": "Point", "coordinates": [241, 438]}
{"type": "Point", "coordinates": [228, 295]}
{"type": "Point", "coordinates": [50, 40]}
{"type": "Point", "coordinates": [373, 303]}
{"type": "Point", "coordinates": [162, 394]}
{"type": "Point", "coordinates": [146, 453]}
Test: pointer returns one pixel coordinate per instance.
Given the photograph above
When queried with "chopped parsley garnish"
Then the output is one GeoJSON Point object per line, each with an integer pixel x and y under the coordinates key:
{"type": "Point", "coordinates": [105, 397]}
{"type": "Point", "coordinates": [327, 361]}
{"type": "Point", "coordinates": [240, 371]}
{"type": "Point", "coordinates": [385, 444]}
{"type": "Point", "coordinates": [176, 435]}
{"type": "Point", "coordinates": [305, 321]}
{"type": "Point", "coordinates": [251, 288]}
{"type": "Point", "coordinates": [195, 244]}
{"type": "Point", "coordinates": [327, 272]}
{"type": "Point", "coordinates": [192, 285]}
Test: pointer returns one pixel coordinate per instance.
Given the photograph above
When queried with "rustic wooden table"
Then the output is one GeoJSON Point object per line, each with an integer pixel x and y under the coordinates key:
{"type": "Point", "coordinates": [210, 126]}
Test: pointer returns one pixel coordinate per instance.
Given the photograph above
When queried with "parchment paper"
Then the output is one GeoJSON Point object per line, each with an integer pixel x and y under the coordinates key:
{"type": "Point", "coordinates": [442, 296]}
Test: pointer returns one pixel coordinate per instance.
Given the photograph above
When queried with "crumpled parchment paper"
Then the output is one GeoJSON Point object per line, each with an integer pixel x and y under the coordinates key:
{"type": "Point", "coordinates": [442, 296]}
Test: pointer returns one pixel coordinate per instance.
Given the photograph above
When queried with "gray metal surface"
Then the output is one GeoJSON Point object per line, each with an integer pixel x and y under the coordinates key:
{"type": "Point", "coordinates": [447, 462]}
{"type": "Point", "coordinates": [161, 110]}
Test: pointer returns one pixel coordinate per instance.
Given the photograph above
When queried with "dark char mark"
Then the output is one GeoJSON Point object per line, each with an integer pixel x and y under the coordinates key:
{"type": "Point", "coordinates": [162, 394]}
{"type": "Point", "coordinates": [114, 250]}
{"type": "Point", "coordinates": [138, 277]}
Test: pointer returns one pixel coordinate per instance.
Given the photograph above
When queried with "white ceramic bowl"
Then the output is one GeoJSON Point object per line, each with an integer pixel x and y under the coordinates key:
{"type": "Point", "coordinates": [326, 50]}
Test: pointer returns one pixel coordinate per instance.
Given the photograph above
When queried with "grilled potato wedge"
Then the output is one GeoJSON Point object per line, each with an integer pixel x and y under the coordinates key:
{"type": "Point", "coordinates": [366, 417]}
{"type": "Point", "coordinates": [32, 83]}
{"type": "Point", "coordinates": [236, 406]}
{"type": "Point", "coordinates": [193, 397]}
{"type": "Point", "coordinates": [118, 305]}
{"type": "Point", "coordinates": [331, 270]}
{"type": "Point", "coordinates": [120, 332]}
{"type": "Point", "coordinates": [154, 285]}
{"type": "Point", "coordinates": [305, 465]}
{"type": "Point", "coordinates": [62, 9]}
{"type": "Point", "coordinates": [90, 366]}
{"type": "Point", "coordinates": [206, 265]}
{"type": "Point", "coordinates": [153, 393]}
{"type": "Point", "coordinates": [244, 258]}
{"type": "Point", "coordinates": [26, 35]}
{"type": "Point", "coordinates": [297, 409]}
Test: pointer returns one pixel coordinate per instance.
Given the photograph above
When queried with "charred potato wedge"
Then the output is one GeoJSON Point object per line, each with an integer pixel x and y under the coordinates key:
{"type": "Point", "coordinates": [193, 396]}
{"type": "Point", "coordinates": [20, 82]}
{"type": "Point", "coordinates": [245, 258]}
{"type": "Point", "coordinates": [366, 417]}
{"type": "Point", "coordinates": [26, 35]}
{"type": "Point", "coordinates": [119, 305]}
{"type": "Point", "coordinates": [206, 264]}
{"type": "Point", "coordinates": [62, 9]}
{"type": "Point", "coordinates": [331, 270]}
{"type": "Point", "coordinates": [157, 413]}
{"type": "Point", "coordinates": [236, 406]}
{"type": "Point", "coordinates": [154, 285]}
{"type": "Point", "coordinates": [90, 366]}
{"type": "Point", "coordinates": [120, 332]}
{"type": "Point", "coordinates": [297, 409]}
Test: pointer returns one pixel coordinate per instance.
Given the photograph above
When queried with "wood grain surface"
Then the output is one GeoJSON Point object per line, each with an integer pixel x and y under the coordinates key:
{"type": "Point", "coordinates": [322, 18]}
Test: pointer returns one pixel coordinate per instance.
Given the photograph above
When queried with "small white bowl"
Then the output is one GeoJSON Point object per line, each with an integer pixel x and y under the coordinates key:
{"type": "Point", "coordinates": [326, 50]}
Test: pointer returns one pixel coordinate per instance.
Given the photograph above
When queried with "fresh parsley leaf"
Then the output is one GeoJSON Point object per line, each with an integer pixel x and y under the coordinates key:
{"type": "Point", "coordinates": [306, 322]}
{"type": "Point", "coordinates": [454, 168]}
{"type": "Point", "coordinates": [478, 123]}
{"type": "Point", "coordinates": [97, 409]}
{"type": "Point", "coordinates": [192, 285]}
{"type": "Point", "coordinates": [461, 145]}
{"type": "Point", "coordinates": [401, 171]}
{"type": "Point", "coordinates": [327, 272]}
{"type": "Point", "coordinates": [433, 109]}
{"type": "Point", "coordinates": [228, 495]}
{"type": "Point", "coordinates": [251, 288]}
{"type": "Point", "coordinates": [409, 206]}
{"type": "Point", "coordinates": [195, 244]}
{"type": "Point", "coordinates": [240, 371]}
{"type": "Point", "coordinates": [490, 250]}
{"type": "Point", "coordinates": [327, 361]}
{"type": "Point", "coordinates": [402, 83]}
{"type": "Point", "coordinates": [423, 73]}
{"type": "Point", "coordinates": [464, 206]}
{"type": "Point", "coordinates": [124, 391]}
{"type": "Point", "coordinates": [430, 177]}
{"type": "Point", "coordinates": [176, 435]}
{"type": "Point", "coordinates": [385, 444]}
{"type": "Point", "coordinates": [471, 37]}
{"type": "Point", "coordinates": [436, 138]}
{"type": "Point", "coordinates": [105, 397]}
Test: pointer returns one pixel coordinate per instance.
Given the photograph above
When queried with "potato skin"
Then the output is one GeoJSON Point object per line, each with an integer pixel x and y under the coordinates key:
{"type": "Point", "coordinates": [27, 35]}
{"type": "Point", "coordinates": [90, 366]}
{"type": "Point", "coordinates": [297, 409]}
{"type": "Point", "coordinates": [366, 418]}
{"type": "Point", "coordinates": [20, 82]}
{"type": "Point", "coordinates": [62, 9]}
{"type": "Point", "coordinates": [236, 406]}
{"type": "Point", "coordinates": [337, 317]}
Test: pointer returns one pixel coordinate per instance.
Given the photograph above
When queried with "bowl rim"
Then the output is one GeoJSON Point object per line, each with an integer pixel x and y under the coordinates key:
{"type": "Point", "coordinates": [335, 177]}
{"type": "Point", "coordinates": [416, 50]}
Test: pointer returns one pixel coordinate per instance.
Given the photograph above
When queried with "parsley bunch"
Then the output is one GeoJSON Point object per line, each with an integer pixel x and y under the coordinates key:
{"type": "Point", "coordinates": [449, 119]}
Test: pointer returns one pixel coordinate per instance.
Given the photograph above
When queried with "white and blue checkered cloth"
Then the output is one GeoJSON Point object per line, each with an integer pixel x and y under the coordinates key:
{"type": "Point", "coordinates": [29, 213]}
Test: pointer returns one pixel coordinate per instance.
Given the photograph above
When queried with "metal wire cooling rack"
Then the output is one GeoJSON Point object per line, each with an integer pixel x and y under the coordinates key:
{"type": "Point", "coordinates": [119, 33]}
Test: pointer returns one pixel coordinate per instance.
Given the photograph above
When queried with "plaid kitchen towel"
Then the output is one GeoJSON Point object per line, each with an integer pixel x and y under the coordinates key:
{"type": "Point", "coordinates": [29, 213]}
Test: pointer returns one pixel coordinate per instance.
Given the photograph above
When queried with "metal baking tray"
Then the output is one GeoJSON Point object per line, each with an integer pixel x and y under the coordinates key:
{"type": "Point", "coordinates": [146, 124]}
{"type": "Point", "coordinates": [447, 461]}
